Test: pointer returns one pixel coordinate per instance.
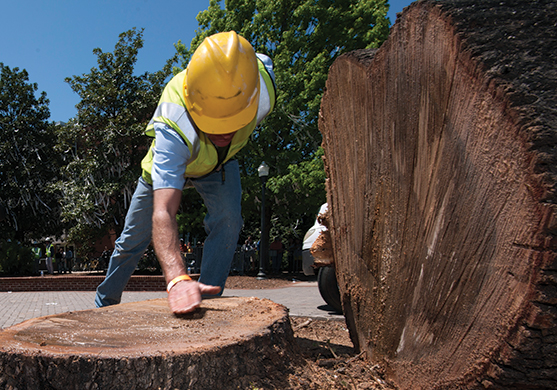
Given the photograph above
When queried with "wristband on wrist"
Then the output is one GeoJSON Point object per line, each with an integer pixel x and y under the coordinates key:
{"type": "Point", "coordinates": [177, 279]}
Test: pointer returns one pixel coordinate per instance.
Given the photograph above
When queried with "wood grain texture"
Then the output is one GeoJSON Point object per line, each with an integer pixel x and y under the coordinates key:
{"type": "Point", "coordinates": [441, 151]}
{"type": "Point", "coordinates": [228, 343]}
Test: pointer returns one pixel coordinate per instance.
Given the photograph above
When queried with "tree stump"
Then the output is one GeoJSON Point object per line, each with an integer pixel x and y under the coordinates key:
{"type": "Point", "coordinates": [229, 343]}
{"type": "Point", "coordinates": [441, 156]}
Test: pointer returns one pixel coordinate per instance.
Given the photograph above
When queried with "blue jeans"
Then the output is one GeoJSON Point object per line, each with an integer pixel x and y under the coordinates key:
{"type": "Point", "coordinates": [223, 223]}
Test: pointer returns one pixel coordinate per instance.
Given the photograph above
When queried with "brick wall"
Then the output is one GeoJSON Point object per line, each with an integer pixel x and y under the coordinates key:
{"type": "Point", "coordinates": [71, 282]}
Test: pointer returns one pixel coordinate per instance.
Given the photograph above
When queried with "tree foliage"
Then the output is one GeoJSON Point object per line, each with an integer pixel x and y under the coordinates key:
{"type": "Point", "coordinates": [15, 259]}
{"type": "Point", "coordinates": [303, 37]}
{"type": "Point", "coordinates": [190, 216]}
{"type": "Point", "coordinates": [103, 146]}
{"type": "Point", "coordinates": [28, 163]}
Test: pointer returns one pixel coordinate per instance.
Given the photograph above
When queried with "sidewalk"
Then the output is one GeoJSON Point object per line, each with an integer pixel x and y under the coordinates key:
{"type": "Point", "coordinates": [302, 300]}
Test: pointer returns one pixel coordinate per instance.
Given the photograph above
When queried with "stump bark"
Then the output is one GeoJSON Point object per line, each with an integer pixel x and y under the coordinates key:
{"type": "Point", "coordinates": [441, 152]}
{"type": "Point", "coordinates": [228, 343]}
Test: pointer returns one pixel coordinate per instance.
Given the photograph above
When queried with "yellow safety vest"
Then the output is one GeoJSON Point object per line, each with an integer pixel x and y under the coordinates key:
{"type": "Point", "coordinates": [172, 111]}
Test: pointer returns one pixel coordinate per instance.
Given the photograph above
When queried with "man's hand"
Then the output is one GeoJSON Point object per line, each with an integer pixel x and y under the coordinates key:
{"type": "Point", "coordinates": [185, 296]}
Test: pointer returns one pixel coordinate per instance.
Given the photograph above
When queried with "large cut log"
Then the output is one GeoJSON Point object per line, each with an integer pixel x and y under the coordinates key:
{"type": "Point", "coordinates": [441, 156]}
{"type": "Point", "coordinates": [229, 343]}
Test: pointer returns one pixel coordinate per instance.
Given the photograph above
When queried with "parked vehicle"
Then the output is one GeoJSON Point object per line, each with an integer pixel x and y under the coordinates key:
{"type": "Point", "coordinates": [326, 277]}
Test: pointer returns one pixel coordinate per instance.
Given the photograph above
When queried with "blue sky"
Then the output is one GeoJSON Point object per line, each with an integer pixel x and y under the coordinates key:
{"type": "Point", "coordinates": [53, 40]}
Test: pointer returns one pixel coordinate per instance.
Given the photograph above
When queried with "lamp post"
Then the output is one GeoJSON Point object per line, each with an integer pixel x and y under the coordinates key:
{"type": "Point", "coordinates": [263, 172]}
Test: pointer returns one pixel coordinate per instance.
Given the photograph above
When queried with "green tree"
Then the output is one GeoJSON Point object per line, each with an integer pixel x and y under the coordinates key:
{"type": "Point", "coordinates": [304, 182]}
{"type": "Point", "coordinates": [190, 216]}
{"type": "Point", "coordinates": [303, 38]}
{"type": "Point", "coordinates": [103, 146]}
{"type": "Point", "coordinates": [15, 259]}
{"type": "Point", "coordinates": [28, 163]}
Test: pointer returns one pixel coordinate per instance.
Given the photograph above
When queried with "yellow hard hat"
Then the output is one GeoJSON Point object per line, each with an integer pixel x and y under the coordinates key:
{"type": "Point", "coordinates": [221, 87]}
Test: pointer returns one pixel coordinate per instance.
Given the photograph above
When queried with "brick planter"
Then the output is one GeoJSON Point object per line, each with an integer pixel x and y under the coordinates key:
{"type": "Point", "coordinates": [74, 282]}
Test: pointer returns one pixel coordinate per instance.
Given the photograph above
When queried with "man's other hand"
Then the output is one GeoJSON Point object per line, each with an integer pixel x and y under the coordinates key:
{"type": "Point", "coordinates": [185, 296]}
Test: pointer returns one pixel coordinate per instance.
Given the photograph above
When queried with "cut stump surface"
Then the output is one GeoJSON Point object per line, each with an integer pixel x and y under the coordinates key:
{"type": "Point", "coordinates": [227, 342]}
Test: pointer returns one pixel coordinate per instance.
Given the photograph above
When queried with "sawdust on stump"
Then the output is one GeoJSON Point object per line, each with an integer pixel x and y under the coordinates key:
{"type": "Point", "coordinates": [228, 343]}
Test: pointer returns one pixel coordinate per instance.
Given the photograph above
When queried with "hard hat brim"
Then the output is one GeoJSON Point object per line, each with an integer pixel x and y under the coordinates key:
{"type": "Point", "coordinates": [226, 125]}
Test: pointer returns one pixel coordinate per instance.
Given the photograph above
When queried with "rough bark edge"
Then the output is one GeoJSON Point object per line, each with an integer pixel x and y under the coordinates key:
{"type": "Point", "coordinates": [531, 109]}
{"type": "Point", "coordinates": [528, 360]}
{"type": "Point", "coordinates": [271, 355]}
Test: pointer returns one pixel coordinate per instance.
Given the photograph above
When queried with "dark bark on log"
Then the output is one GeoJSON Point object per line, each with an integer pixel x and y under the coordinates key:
{"type": "Point", "coordinates": [441, 156]}
{"type": "Point", "coordinates": [229, 343]}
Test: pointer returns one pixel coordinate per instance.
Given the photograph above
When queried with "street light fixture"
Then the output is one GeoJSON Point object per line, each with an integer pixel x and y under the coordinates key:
{"type": "Point", "coordinates": [263, 172]}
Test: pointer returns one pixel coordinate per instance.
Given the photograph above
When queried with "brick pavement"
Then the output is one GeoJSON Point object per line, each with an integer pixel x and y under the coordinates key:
{"type": "Point", "coordinates": [20, 306]}
{"type": "Point", "coordinates": [303, 300]}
